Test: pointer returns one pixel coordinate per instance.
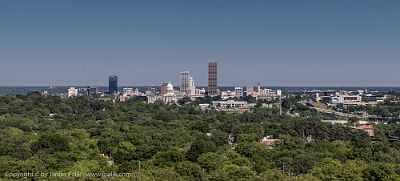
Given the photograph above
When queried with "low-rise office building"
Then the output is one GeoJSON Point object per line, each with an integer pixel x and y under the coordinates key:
{"type": "Point", "coordinates": [229, 104]}
{"type": "Point", "coordinates": [72, 92]}
{"type": "Point", "coordinates": [227, 94]}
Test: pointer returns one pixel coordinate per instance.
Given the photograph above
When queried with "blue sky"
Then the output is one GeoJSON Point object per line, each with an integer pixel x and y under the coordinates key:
{"type": "Point", "coordinates": [279, 43]}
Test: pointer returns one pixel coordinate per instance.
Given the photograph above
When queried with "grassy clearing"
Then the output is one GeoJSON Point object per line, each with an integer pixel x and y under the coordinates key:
{"type": "Point", "coordinates": [320, 105]}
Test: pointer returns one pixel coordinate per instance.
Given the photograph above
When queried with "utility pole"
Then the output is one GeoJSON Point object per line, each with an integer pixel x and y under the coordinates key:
{"type": "Point", "coordinates": [280, 105]}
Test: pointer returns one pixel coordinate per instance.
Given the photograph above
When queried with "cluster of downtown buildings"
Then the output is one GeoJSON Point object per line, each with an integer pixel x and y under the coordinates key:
{"type": "Point", "coordinates": [344, 99]}
{"type": "Point", "coordinates": [187, 88]}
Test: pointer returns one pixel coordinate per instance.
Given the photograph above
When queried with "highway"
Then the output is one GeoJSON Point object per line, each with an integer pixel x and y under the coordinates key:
{"type": "Point", "coordinates": [330, 111]}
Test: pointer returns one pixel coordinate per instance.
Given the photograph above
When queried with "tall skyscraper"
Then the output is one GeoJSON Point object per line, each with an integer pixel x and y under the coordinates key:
{"type": "Point", "coordinates": [192, 88]}
{"type": "Point", "coordinates": [212, 78]}
{"type": "Point", "coordinates": [112, 84]}
{"type": "Point", "coordinates": [184, 81]}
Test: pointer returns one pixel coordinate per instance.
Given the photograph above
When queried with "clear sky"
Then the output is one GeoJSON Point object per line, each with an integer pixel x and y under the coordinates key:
{"type": "Point", "coordinates": [147, 42]}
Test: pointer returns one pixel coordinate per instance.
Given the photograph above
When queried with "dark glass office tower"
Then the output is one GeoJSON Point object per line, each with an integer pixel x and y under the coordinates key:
{"type": "Point", "coordinates": [113, 84]}
{"type": "Point", "coordinates": [212, 78]}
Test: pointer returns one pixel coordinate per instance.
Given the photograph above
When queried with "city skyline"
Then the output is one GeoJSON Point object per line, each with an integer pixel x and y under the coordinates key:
{"type": "Point", "coordinates": [279, 43]}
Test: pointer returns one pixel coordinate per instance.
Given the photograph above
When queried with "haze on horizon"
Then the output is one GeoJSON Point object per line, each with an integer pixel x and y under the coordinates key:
{"type": "Point", "coordinates": [275, 42]}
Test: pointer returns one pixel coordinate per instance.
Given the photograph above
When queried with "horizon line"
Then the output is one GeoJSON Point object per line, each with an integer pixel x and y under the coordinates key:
{"type": "Point", "coordinates": [128, 86]}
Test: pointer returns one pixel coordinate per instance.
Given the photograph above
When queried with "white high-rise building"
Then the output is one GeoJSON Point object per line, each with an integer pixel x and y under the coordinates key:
{"type": "Point", "coordinates": [184, 81]}
{"type": "Point", "coordinates": [192, 88]}
{"type": "Point", "coordinates": [72, 92]}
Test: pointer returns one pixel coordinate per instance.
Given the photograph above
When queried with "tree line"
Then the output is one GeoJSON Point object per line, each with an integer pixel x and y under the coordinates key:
{"type": "Point", "coordinates": [169, 142]}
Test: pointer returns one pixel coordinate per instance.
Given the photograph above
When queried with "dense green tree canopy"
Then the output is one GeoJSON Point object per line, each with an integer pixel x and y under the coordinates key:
{"type": "Point", "coordinates": [181, 142]}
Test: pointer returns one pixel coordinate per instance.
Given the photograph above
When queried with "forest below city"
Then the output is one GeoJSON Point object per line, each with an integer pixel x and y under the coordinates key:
{"type": "Point", "coordinates": [182, 142]}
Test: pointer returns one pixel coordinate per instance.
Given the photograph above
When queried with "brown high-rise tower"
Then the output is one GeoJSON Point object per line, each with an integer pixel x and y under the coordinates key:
{"type": "Point", "coordinates": [163, 88]}
{"type": "Point", "coordinates": [212, 78]}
